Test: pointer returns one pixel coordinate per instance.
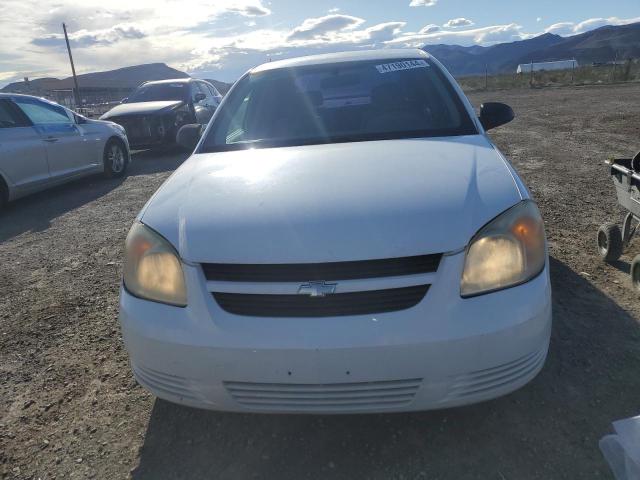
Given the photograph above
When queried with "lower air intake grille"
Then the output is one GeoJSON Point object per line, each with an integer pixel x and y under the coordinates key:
{"type": "Point", "coordinates": [484, 382]}
{"type": "Point", "coordinates": [324, 397]}
{"type": "Point", "coordinates": [339, 304]}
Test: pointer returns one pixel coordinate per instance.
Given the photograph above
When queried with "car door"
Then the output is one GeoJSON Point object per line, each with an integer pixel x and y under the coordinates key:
{"type": "Point", "coordinates": [93, 137]}
{"type": "Point", "coordinates": [66, 152]}
{"type": "Point", "coordinates": [204, 107]}
{"type": "Point", "coordinates": [23, 156]}
{"type": "Point", "coordinates": [211, 101]}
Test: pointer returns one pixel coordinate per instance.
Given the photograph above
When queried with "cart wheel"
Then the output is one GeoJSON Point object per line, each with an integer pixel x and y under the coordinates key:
{"type": "Point", "coordinates": [610, 242]}
{"type": "Point", "coordinates": [635, 273]}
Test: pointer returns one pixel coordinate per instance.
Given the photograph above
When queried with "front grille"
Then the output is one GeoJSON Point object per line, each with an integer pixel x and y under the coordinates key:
{"type": "Point", "coordinates": [324, 397]}
{"type": "Point", "coordinates": [337, 304]}
{"type": "Point", "coordinates": [141, 129]}
{"type": "Point", "coordinates": [305, 272]}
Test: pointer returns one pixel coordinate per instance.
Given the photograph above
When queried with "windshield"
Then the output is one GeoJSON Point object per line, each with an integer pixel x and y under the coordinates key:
{"type": "Point", "coordinates": [341, 102]}
{"type": "Point", "coordinates": [160, 91]}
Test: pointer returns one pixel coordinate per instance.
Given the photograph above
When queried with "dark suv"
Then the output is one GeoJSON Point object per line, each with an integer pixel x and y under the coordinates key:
{"type": "Point", "coordinates": [155, 111]}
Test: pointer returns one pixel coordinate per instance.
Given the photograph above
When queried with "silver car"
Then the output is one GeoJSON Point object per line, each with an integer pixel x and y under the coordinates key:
{"type": "Point", "coordinates": [43, 144]}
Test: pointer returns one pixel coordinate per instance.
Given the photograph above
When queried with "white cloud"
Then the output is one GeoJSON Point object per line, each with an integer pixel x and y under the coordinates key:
{"type": "Point", "coordinates": [381, 32]}
{"type": "Point", "coordinates": [572, 28]}
{"type": "Point", "coordinates": [476, 36]}
{"type": "Point", "coordinates": [458, 22]}
{"type": "Point", "coordinates": [8, 75]}
{"type": "Point", "coordinates": [250, 10]}
{"type": "Point", "coordinates": [312, 36]}
{"type": "Point", "coordinates": [112, 34]}
{"type": "Point", "coordinates": [321, 27]}
{"type": "Point", "coordinates": [430, 28]}
{"type": "Point", "coordinates": [538, 19]}
{"type": "Point", "coordinates": [561, 28]}
{"type": "Point", "coordinates": [87, 38]}
{"type": "Point", "coordinates": [423, 3]}
{"type": "Point", "coordinates": [334, 10]}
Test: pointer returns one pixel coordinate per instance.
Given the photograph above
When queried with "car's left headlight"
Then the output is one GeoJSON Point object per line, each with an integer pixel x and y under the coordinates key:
{"type": "Point", "coordinates": [152, 268]}
{"type": "Point", "coordinates": [508, 251]}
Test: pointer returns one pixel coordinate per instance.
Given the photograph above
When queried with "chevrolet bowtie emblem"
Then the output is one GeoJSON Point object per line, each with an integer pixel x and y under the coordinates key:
{"type": "Point", "coordinates": [317, 289]}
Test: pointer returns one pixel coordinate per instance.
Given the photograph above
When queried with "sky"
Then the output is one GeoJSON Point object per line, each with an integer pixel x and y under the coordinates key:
{"type": "Point", "coordinates": [221, 39]}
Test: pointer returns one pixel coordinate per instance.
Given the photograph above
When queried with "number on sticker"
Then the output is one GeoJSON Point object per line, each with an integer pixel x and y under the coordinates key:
{"type": "Point", "coordinates": [402, 65]}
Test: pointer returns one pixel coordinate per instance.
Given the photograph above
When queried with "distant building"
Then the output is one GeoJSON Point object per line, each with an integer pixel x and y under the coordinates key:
{"type": "Point", "coordinates": [95, 88]}
{"type": "Point", "coordinates": [540, 66]}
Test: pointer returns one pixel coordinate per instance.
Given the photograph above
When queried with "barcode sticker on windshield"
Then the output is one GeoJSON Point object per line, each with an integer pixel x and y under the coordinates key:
{"type": "Point", "coordinates": [403, 65]}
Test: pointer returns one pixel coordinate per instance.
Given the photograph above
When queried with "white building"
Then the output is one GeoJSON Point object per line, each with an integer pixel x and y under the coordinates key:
{"type": "Point", "coordinates": [559, 65]}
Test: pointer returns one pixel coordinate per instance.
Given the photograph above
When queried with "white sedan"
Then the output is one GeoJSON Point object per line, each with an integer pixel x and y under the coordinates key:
{"type": "Point", "coordinates": [345, 238]}
{"type": "Point", "coordinates": [43, 144]}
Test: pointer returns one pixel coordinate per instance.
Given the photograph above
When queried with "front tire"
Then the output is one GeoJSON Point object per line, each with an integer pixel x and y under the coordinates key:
{"type": "Point", "coordinates": [610, 243]}
{"type": "Point", "coordinates": [635, 273]}
{"type": "Point", "coordinates": [4, 195]}
{"type": "Point", "coordinates": [116, 159]}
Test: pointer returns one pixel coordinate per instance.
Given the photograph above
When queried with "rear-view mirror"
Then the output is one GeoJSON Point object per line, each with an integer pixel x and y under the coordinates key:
{"type": "Point", "coordinates": [199, 97]}
{"type": "Point", "coordinates": [494, 114]}
{"type": "Point", "coordinates": [189, 136]}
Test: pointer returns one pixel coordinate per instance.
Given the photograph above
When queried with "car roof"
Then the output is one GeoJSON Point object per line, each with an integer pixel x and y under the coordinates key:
{"type": "Point", "coordinates": [35, 97]}
{"type": "Point", "coordinates": [381, 54]}
{"type": "Point", "coordinates": [169, 80]}
{"type": "Point", "coordinates": [174, 80]}
{"type": "Point", "coordinates": [14, 95]}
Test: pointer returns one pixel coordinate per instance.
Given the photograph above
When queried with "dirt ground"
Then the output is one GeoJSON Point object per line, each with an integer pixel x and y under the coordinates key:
{"type": "Point", "coordinates": [70, 408]}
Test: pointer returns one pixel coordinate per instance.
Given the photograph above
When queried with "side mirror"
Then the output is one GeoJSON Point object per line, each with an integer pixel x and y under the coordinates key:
{"type": "Point", "coordinates": [80, 120]}
{"type": "Point", "coordinates": [494, 114]}
{"type": "Point", "coordinates": [124, 100]}
{"type": "Point", "coordinates": [189, 136]}
{"type": "Point", "coordinates": [199, 97]}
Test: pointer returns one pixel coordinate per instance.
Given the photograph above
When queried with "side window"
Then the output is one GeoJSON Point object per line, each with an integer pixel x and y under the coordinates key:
{"type": "Point", "coordinates": [237, 123]}
{"type": "Point", "coordinates": [41, 112]}
{"type": "Point", "coordinates": [216, 95]}
{"type": "Point", "coordinates": [205, 89]}
{"type": "Point", "coordinates": [198, 88]}
{"type": "Point", "coordinates": [9, 118]}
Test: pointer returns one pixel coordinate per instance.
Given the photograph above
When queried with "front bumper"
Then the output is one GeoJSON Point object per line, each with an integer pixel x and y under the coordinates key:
{"type": "Point", "coordinates": [444, 352]}
{"type": "Point", "coordinates": [149, 130]}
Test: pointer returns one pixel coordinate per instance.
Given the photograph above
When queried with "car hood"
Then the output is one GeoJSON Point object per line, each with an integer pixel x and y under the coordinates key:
{"type": "Point", "coordinates": [102, 123]}
{"type": "Point", "coordinates": [141, 108]}
{"type": "Point", "coordinates": [337, 202]}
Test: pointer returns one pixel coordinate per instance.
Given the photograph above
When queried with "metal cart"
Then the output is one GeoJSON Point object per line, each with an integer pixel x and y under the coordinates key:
{"type": "Point", "coordinates": [625, 173]}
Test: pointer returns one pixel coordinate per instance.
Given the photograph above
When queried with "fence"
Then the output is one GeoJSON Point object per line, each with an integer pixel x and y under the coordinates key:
{"type": "Point", "coordinates": [614, 72]}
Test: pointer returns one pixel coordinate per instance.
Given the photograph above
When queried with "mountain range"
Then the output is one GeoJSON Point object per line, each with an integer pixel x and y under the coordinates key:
{"type": "Point", "coordinates": [601, 45]}
{"type": "Point", "coordinates": [126, 78]}
{"type": "Point", "coordinates": [604, 44]}
{"type": "Point", "coordinates": [121, 78]}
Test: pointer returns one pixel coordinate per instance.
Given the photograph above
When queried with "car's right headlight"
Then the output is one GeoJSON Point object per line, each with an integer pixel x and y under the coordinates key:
{"type": "Point", "coordinates": [508, 251]}
{"type": "Point", "coordinates": [152, 268]}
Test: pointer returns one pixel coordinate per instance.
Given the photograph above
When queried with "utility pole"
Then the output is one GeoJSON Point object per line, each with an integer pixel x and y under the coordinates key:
{"type": "Point", "coordinates": [73, 68]}
{"type": "Point", "coordinates": [531, 76]}
{"type": "Point", "coordinates": [486, 73]}
{"type": "Point", "coordinates": [573, 69]}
